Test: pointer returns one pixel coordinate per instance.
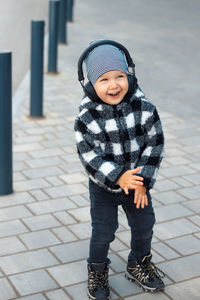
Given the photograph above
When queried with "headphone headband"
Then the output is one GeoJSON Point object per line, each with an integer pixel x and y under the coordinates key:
{"type": "Point", "coordinates": [99, 43]}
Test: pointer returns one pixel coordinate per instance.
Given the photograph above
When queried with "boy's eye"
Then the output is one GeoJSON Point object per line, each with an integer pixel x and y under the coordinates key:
{"type": "Point", "coordinates": [103, 79]}
{"type": "Point", "coordinates": [121, 76]}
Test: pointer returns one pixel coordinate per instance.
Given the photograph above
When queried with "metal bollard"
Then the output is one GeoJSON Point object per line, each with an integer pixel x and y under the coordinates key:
{"type": "Point", "coordinates": [67, 10]}
{"type": "Point", "coordinates": [62, 36]}
{"type": "Point", "coordinates": [53, 35]}
{"type": "Point", "coordinates": [70, 7]}
{"type": "Point", "coordinates": [37, 66]}
{"type": "Point", "coordinates": [6, 164]}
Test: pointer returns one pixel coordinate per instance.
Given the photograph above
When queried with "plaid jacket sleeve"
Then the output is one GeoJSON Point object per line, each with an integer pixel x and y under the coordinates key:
{"type": "Point", "coordinates": [104, 172]}
{"type": "Point", "coordinates": [152, 154]}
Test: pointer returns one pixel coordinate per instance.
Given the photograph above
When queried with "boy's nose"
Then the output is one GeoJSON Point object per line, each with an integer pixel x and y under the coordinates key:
{"type": "Point", "coordinates": [113, 84]}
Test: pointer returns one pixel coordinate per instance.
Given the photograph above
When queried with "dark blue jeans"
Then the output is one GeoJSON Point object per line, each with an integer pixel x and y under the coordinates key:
{"type": "Point", "coordinates": [104, 214]}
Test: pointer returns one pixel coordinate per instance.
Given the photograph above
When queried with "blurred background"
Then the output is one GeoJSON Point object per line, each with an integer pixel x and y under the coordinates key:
{"type": "Point", "coordinates": [15, 16]}
{"type": "Point", "coordinates": [161, 35]}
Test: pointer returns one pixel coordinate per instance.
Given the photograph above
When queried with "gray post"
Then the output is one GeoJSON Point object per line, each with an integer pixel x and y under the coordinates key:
{"type": "Point", "coordinates": [67, 10]}
{"type": "Point", "coordinates": [53, 35]}
{"type": "Point", "coordinates": [6, 164]}
{"type": "Point", "coordinates": [70, 8]}
{"type": "Point", "coordinates": [37, 66]}
{"type": "Point", "coordinates": [62, 36]}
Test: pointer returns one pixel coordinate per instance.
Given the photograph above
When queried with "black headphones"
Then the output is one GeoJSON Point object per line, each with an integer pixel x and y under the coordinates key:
{"type": "Point", "coordinates": [88, 87]}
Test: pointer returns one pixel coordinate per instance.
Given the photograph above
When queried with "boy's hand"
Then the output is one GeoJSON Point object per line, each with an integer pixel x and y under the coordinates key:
{"type": "Point", "coordinates": [140, 198]}
{"type": "Point", "coordinates": [130, 181]}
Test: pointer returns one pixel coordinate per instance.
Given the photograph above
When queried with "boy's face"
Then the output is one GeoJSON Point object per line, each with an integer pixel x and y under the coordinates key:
{"type": "Point", "coordinates": [112, 86]}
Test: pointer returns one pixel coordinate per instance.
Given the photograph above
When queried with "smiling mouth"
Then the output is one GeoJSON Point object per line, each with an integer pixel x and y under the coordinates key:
{"type": "Point", "coordinates": [114, 94]}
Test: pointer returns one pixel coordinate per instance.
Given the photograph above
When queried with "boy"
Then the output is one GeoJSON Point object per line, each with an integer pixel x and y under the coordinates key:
{"type": "Point", "coordinates": [120, 143]}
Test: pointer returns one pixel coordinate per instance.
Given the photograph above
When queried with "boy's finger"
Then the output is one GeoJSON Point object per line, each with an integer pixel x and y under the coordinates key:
{"type": "Point", "coordinates": [136, 197]}
{"type": "Point", "coordinates": [126, 191]}
{"type": "Point", "coordinates": [139, 201]}
{"type": "Point", "coordinates": [137, 178]}
{"type": "Point", "coordinates": [137, 183]}
{"type": "Point", "coordinates": [143, 201]}
{"type": "Point", "coordinates": [133, 171]}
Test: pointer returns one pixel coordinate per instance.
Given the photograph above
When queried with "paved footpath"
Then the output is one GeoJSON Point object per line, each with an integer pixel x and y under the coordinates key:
{"type": "Point", "coordinates": [45, 223]}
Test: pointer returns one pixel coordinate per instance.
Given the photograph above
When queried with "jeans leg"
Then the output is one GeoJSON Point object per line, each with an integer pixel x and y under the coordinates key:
{"type": "Point", "coordinates": [104, 225]}
{"type": "Point", "coordinates": [141, 222]}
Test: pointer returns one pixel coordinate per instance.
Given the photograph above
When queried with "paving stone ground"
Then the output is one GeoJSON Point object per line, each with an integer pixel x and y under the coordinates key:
{"type": "Point", "coordinates": [45, 223]}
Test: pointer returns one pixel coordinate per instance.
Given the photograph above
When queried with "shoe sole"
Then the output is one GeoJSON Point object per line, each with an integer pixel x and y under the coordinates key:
{"type": "Point", "coordinates": [146, 289]}
{"type": "Point", "coordinates": [94, 298]}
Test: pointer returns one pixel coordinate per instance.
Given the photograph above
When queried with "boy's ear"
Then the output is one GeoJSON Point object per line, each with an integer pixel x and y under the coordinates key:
{"type": "Point", "coordinates": [90, 92]}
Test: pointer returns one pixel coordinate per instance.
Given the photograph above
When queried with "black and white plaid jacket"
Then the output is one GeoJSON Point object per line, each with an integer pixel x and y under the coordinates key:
{"type": "Point", "coordinates": [112, 139]}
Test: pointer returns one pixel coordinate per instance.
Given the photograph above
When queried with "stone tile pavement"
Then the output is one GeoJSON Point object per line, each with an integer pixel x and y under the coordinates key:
{"type": "Point", "coordinates": [45, 223]}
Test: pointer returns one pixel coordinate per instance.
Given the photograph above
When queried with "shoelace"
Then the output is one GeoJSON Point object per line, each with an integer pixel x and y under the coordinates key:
{"type": "Point", "coordinates": [139, 273]}
{"type": "Point", "coordinates": [98, 279]}
{"type": "Point", "coordinates": [152, 269]}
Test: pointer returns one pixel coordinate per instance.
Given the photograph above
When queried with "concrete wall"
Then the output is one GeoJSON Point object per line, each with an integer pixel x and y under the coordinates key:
{"type": "Point", "coordinates": [15, 17]}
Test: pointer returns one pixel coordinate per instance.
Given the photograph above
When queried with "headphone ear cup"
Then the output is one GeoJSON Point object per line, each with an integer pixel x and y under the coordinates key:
{"type": "Point", "coordinates": [90, 91]}
{"type": "Point", "coordinates": [132, 81]}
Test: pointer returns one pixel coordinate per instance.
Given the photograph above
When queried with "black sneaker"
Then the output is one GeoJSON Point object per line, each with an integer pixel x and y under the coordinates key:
{"type": "Point", "coordinates": [98, 285]}
{"type": "Point", "coordinates": [145, 274]}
